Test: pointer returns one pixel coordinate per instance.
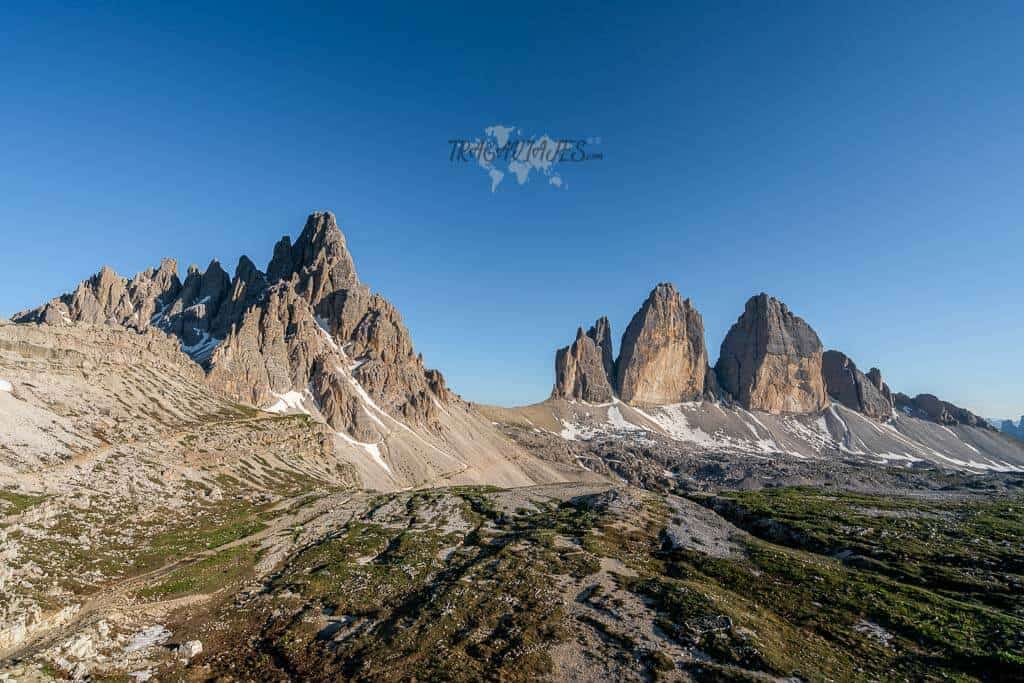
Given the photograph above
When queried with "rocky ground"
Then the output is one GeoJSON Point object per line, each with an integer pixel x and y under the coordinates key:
{"type": "Point", "coordinates": [565, 582]}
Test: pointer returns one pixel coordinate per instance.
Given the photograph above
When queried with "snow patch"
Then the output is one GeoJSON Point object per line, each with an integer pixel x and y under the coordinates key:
{"type": "Point", "coordinates": [672, 419]}
{"type": "Point", "coordinates": [290, 401]}
{"type": "Point", "coordinates": [617, 421]}
{"type": "Point", "coordinates": [371, 448]}
{"type": "Point", "coordinates": [6, 386]}
{"type": "Point", "coordinates": [325, 328]}
{"type": "Point", "coordinates": [148, 637]}
{"type": "Point", "coordinates": [202, 349]}
{"type": "Point", "coordinates": [575, 432]}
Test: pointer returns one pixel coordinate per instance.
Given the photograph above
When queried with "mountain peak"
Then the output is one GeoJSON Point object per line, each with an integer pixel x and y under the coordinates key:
{"type": "Point", "coordinates": [662, 358]}
{"type": "Point", "coordinates": [583, 369]}
{"type": "Point", "coordinates": [770, 360]}
{"type": "Point", "coordinates": [319, 257]}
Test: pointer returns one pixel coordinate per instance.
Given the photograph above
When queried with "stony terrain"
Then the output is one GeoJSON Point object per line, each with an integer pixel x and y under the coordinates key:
{"type": "Point", "coordinates": [567, 582]}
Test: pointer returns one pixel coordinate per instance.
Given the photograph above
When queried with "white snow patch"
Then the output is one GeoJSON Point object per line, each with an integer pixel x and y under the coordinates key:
{"type": "Point", "coordinates": [202, 349]}
{"type": "Point", "coordinates": [575, 432]}
{"type": "Point", "coordinates": [322, 324]}
{"type": "Point", "coordinates": [148, 637]}
{"type": "Point", "coordinates": [289, 401]}
{"type": "Point", "coordinates": [6, 386]}
{"type": "Point", "coordinates": [616, 420]}
{"type": "Point", "coordinates": [672, 419]}
{"type": "Point", "coordinates": [371, 448]}
{"type": "Point", "coordinates": [897, 456]}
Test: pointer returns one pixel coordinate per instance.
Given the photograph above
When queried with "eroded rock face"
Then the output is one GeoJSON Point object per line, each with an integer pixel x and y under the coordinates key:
{"type": "Point", "coordinates": [601, 333]}
{"type": "Point", "coordinates": [583, 369]}
{"type": "Point", "coordinates": [851, 387]}
{"type": "Point", "coordinates": [771, 360]}
{"type": "Point", "coordinates": [307, 325]}
{"type": "Point", "coordinates": [930, 407]}
{"type": "Point", "coordinates": [1015, 430]}
{"type": "Point", "coordinates": [663, 359]}
{"type": "Point", "coordinates": [875, 375]}
{"type": "Point", "coordinates": [106, 297]}
{"type": "Point", "coordinates": [333, 336]}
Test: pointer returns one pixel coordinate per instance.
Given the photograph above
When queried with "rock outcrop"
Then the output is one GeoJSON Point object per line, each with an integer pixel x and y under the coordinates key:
{"type": "Point", "coordinates": [771, 360]}
{"type": "Point", "coordinates": [583, 370]}
{"type": "Point", "coordinates": [875, 376]}
{"type": "Point", "coordinates": [851, 387]}
{"type": "Point", "coordinates": [601, 333]}
{"type": "Point", "coordinates": [108, 298]}
{"type": "Point", "coordinates": [663, 359]}
{"type": "Point", "coordinates": [930, 407]}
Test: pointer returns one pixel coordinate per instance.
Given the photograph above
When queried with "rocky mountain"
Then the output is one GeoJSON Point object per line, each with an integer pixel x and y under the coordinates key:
{"type": "Point", "coordinates": [771, 360]}
{"type": "Point", "coordinates": [307, 336]}
{"type": "Point", "coordinates": [855, 390]}
{"type": "Point", "coordinates": [663, 358]}
{"type": "Point", "coordinates": [264, 335]}
{"type": "Point", "coordinates": [930, 407]}
{"type": "Point", "coordinates": [583, 369]}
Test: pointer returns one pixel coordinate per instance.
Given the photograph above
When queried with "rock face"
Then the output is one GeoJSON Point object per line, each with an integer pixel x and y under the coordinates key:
{"type": "Point", "coordinates": [601, 333]}
{"type": "Point", "coordinates": [108, 298]}
{"type": "Point", "coordinates": [771, 360]}
{"type": "Point", "coordinates": [930, 407]}
{"type": "Point", "coordinates": [306, 326]}
{"type": "Point", "coordinates": [583, 369]}
{"type": "Point", "coordinates": [851, 387]}
{"type": "Point", "coordinates": [663, 359]}
{"type": "Point", "coordinates": [875, 376]}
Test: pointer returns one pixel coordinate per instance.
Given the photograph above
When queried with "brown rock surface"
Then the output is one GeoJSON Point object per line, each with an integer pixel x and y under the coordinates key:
{"type": "Point", "coordinates": [851, 387]}
{"type": "Point", "coordinates": [263, 335]}
{"type": "Point", "coordinates": [582, 368]}
{"type": "Point", "coordinates": [663, 359]}
{"type": "Point", "coordinates": [930, 407]}
{"type": "Point", "coordinates": [771, 360]}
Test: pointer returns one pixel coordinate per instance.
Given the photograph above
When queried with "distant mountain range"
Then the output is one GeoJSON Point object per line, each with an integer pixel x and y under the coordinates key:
{"type": "Point", "coordinates": [1009, 427]}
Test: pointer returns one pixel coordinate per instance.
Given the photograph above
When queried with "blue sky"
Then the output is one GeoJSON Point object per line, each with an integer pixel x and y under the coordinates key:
{"type": "Point", "coordinates": [861, 161]}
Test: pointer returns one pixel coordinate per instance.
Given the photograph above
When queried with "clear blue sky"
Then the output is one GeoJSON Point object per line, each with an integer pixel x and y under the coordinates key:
{"type": "Point", "coordinates": [864, 162]}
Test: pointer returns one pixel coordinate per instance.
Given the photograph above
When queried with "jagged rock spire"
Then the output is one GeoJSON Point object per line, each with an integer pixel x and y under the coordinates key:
{"type": "Point", "coordinates": [851, 387]}
{"type": "Point", "coordinates": [583, 369]}
{"type": "Point", "coordinates": [663, 358]}
{"type": "Point", "coordinates": [601, 333]}
{"type": "Point", "coordinates": [296, 328]}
